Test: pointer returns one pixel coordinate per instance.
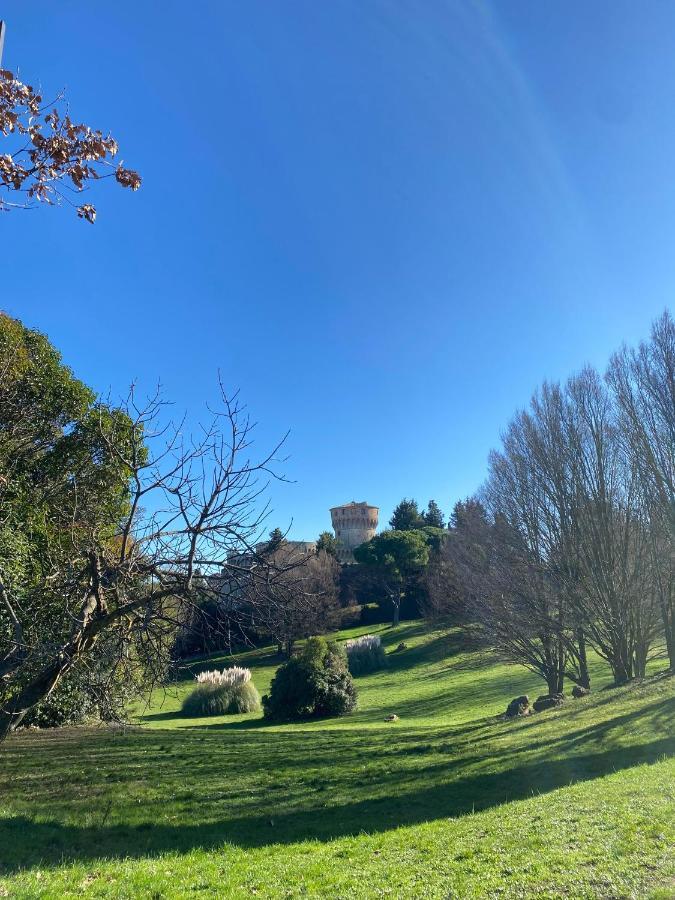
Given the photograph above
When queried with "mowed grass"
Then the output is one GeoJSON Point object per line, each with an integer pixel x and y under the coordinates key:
{"type": "Point", "coordinates": [450, 801]}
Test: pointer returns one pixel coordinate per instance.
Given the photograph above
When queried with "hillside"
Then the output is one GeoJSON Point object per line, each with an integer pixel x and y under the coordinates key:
{"type": "Point", "coordinates": [448, 801]}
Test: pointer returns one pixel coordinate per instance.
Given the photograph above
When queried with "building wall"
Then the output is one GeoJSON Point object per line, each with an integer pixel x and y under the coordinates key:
{"type": "Point", "coordinates": [353, 524]}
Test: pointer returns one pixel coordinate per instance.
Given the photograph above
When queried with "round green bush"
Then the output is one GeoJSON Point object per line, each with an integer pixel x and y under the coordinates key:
{"type": "Point", "coordinates": [221, 700]}
{"type": "Point", "coordinates": [314, 684]}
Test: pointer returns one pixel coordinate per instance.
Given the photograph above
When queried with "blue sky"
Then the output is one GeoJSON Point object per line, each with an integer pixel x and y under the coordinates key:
{"type": "Point", "coordinates": [384, 222]}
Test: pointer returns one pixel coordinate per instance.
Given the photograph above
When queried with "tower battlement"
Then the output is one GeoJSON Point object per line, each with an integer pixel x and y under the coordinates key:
{"type": "Point", "coordinates": [354, 524]}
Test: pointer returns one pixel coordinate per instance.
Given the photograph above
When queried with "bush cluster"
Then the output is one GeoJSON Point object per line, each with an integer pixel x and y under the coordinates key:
{"type": "Point", "coordinates": [315, 684]}
{"type": "Point", "coordinates": [222, 693]}
{"type": "Point", "coordinates": [100, 690]}
{"type": "Point", "coordinates": [365, 654]}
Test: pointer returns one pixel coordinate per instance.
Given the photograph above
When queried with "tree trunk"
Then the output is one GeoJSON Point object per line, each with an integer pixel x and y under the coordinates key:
{"type": "Point", "coordinates": [15, 710]}
{"type": "Point", "coordinates": [552, 681]}
{"type": "Point", "coordinates": [560, 680]}
{"type": "Point", "coordinates": [668, 616]}
{"type": "Point", "coordinates": [584, 674]}
{"type": "Point", "coordinates": [640, 659]}
{"type": "Point", "coordinates": [621, 669]}
{"type": "Point", "coordinates": [397, 612]}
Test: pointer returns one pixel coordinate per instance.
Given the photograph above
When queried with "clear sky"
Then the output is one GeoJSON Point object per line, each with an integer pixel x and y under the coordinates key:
{"type": "Point", "coordinates": [385, 221]}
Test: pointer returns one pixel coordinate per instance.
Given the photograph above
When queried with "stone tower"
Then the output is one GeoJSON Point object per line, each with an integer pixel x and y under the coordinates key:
{"type": "Point", "coordinates": [353, 524]}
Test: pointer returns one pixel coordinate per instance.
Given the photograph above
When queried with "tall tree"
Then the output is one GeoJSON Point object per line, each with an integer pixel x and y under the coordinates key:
{"type": "Point", "coordinates": [406, 516]}
{"type": "Point", "coordinates": [643, 384]}
{"type": "Point", "coordinates": [434, 515]}
{"type": "Point", "coordinates": [398, 557]}
{"type": "Point", "coordinates": [327, 542]}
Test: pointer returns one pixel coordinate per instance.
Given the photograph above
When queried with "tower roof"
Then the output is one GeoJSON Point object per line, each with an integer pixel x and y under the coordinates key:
{"type": "Point", "coordinates": [354, 503]}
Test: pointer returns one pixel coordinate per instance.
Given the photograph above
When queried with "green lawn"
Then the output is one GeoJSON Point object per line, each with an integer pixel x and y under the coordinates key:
{"type": "Point", "coordinates": [450, 801]}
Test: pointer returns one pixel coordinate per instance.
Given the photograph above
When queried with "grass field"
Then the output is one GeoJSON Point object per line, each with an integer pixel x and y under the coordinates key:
{"type": "Point", "coordinates": [450, 801]}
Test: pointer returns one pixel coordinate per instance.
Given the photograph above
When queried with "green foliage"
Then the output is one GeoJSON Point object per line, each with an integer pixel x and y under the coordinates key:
{"type": "Point", "coordinates": [406, 516]}
{"type": "Point", "coordinates": [221, 699]}
{"type": "Point", "coordinates": [434, 515]}
{"type": "Point", "coordinates": [60, 483]}
{"type": "Point", "coordinates": [327, 542]}
{"type": "Point", "coordinates": [314, 684]}
{"type": "Point", "coordinates": [434, 536]}
{"type": "Point", "coordinates": [398, 557]}
{"type": "Point", "coordinates": [275, 540]}
{"type": "Point", "coordinates": [92, 690]}
{"type": "Point", "coordinates": [399, 553]}
{"type": "Point", "coordinates": [68, 704]}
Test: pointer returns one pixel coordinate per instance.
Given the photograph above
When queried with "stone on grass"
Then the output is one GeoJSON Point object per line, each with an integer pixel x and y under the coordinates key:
{"type": "Point", "coordinates": [548, 701]}
{"type": "Point", "coordinates": [578, 691]}
{"type": "Point", "coordinates": [518, 707]}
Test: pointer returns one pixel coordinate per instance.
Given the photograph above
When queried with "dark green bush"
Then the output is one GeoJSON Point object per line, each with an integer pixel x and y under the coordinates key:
{"type": "Point", "coordinates": [99, 690]}
{"type": "Point", "coordinates": [315, 684]}
{"type": "Point", "coordinates": [68, 704]}
{"type": "Point", "coordinates": [220, 700]}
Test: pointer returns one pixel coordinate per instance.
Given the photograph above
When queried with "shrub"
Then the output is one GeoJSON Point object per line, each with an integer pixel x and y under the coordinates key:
{"type": "Point", "coordinates": [314, 684]}
{"type": "Point", "coordinates": [222, 693]}
{"type": "Point", "coordinates": [365, 654]}
{"type": "Point", "coordinates": [67, 704]}
{"type": "Point", "coordinates": [98, 690]}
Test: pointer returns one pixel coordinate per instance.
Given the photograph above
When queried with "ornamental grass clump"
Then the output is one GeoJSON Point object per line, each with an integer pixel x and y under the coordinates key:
{"type": "Point", "coordinates": [231, 676]}
{"type": "Point", "coordinates": [365, 654]}
{"type": "Point", "coordinates": [221, 693]}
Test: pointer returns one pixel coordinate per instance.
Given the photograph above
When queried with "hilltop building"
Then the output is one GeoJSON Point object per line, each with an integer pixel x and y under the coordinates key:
{"type": "Point", "coordinates": [353, 524]}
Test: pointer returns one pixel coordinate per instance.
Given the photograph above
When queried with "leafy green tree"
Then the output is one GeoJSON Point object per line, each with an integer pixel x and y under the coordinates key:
{"type": "Point", "coordinates": [398, 557]}
{"type": "Point", "coordinates": [58, 477]}
{"type": "Point", "coordinates": [327, 542]}
{"type": "Point", "coordinates": [434, 515]}
{"type": "Point", "coordinates": [406, 516]}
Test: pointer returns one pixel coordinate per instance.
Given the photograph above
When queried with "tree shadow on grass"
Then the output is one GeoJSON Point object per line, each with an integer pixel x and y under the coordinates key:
{"type": "Point", "coordinates": [25, 843]}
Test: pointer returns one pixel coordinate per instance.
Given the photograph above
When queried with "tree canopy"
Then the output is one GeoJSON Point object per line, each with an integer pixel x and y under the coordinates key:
{"type": "Point", "coordinates": [327, 542]}
{"type": "Point", "coordinates": [434, 515]}
{"type": "Point", "coordinates": [406, 516]}
{"type": "Point", "coordinates": [398, 556]}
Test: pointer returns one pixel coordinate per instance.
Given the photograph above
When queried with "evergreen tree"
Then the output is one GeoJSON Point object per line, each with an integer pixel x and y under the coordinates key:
{"type": "Point", "coordinates": [327, 542]}
{"type": "Point", "coordinates": [434, 515]}
{"type": "Point", "coordinates": [276, 539]}
{"type": "Point", "coordinates": [406, 516]}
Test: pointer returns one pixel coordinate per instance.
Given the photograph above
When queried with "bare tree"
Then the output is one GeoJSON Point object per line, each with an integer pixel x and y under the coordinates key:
{"type": "Point", "coordinates": [567, 550]}
{"type": "Point", "coordinates": [193, 505]}
{"type": "Point", "coordinates": [301, 601]}
{"type": "Point", "coordinates": [616, 598]}
{"type": "Point", "coordinates": [643, 384]}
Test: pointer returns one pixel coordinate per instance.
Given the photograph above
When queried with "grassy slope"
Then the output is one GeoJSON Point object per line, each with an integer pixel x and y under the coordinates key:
{"type": "Point", "coordinates": [446, 802]}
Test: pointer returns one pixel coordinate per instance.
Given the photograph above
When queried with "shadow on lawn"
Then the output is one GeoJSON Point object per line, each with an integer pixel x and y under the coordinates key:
{"type": "Point", "coordinates": [25, 843]}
